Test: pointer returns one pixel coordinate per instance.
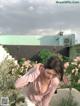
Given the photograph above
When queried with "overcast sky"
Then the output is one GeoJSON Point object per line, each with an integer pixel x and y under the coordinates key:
{"type": "Point", "coordinates": [38, 17]}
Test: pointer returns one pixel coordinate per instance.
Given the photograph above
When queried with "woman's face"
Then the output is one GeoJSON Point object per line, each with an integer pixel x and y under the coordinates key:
{"type": "Point", "coordinates": [50, 73]}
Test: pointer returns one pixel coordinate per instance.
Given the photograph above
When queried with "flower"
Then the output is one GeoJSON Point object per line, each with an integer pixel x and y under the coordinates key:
{"type": "Point", "coordinates": [77, 59]}
{"type": "Point", "coordinates": [79, 81]}
{"type": "Point", "coordinates": [74, 63]}
{"type": "Point", "coordinates": [72, 68]}
{"type": "Point", "coordinates": [66, 65]}
{"type": "Point", "coordinates": [27, 63]}
{"type": "Point", "coordinates": [78, 65]}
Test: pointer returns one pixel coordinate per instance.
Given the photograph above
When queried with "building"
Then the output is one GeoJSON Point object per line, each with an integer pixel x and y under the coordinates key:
{"type": "Point", "coordinates": [27, 46]}
{"type": "Point", "coordinates": [54, 40]}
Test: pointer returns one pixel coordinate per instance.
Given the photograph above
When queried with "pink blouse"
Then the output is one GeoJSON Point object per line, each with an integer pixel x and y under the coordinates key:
{"type": "Point", "coordinates": [31, 85]}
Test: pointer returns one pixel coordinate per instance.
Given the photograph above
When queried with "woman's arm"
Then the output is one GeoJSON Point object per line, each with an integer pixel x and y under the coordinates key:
{"type": "Point", "coordinates": [28, 77]}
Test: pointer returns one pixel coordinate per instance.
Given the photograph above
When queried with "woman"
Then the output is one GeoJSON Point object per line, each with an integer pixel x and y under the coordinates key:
{"type": "Point", "coordinates": [41, 82]}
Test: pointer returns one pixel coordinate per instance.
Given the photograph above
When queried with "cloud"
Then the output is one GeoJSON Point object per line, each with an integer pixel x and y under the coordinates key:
{"type": "Point", "coordinates": [37, 17]}
{"type": "Point", "coordinates": [47, 2]}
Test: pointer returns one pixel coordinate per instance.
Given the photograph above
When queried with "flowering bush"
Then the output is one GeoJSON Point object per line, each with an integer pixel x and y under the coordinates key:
{"type": "Point", "coordinates": [72, 70]}
{"type": "Point", "coordinates": [10, 70]}
{"type": "Point", "coordinates": [24, 66]}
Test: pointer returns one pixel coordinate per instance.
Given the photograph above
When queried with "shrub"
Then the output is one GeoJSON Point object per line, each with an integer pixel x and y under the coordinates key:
{"type": "Point", "coordinates": [8, 74]}
{"type": "Point", "coordinates": [43, 55]}
{"type": "Point", "coordinates": [73, 72]}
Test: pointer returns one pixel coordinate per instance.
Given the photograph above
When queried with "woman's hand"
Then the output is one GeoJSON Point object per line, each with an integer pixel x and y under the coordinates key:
{"type": "Point", "coordinates": [39, 66]}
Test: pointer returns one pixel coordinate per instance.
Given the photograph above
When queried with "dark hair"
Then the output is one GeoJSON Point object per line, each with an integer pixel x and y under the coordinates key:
{"type": "Point", "coordinates": [55, 63]}
{"type": "Point", "coordinates": [35, 58]}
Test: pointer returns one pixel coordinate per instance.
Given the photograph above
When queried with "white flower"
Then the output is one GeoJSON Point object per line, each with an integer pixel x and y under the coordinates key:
{"type": "Point", "coordinates": [76, 69]}
{"type": "Point", "coordinates": [13, 71]}
{"type": "Point", "coordinates": [79, 81]}
{"type": "Point", "coordinates": [74, 63]}
{"type": "Point", "coordinates": [9, 57]}
{"type": "Point", "coordinates": [76, 72]}
{"type": "Point", "coordinates": [75, 60]}
{"type": "Point", "coordinates": [16, 62]}
{"type": "Point", "coordinates": [79, 66]}
{"type": "Point", "coordinates": [73, 70]}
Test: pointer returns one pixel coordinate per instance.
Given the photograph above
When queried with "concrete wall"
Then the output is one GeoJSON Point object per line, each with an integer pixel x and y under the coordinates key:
{"type": "Point", "coordinates": [21, 51]}
{"type": "Point", "coordinates": [64, 93]}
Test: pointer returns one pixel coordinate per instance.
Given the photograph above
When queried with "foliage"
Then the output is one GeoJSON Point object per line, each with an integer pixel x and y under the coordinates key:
{"type": "Point", "coordinates": [43, 55]}
{"type": "Point", "coordinates": [77, 86]}
{"type": "Point", "coordinates": [7, 74]}
{"type": "Point", "coordinates": [21, 61]}
{"type": "Point", "coordinates": [73, 72]}
{"type": "Point", "coordinates": [10, 70]}
{"type": "Point", "coordinates": [24, 66]}
{"type": "Point", "coordinates": [65, 59]}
